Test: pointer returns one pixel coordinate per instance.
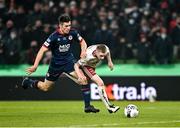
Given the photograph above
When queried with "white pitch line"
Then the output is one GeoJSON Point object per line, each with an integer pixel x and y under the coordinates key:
{"type": "Point", "coordinates": [159, 122]}
{"type": "Point", "coordinates": [115, 124]}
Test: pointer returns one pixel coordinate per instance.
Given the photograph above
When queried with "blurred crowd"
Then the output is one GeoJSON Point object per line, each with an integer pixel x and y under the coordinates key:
{"type": "Point", "coordinates": [145, 30]}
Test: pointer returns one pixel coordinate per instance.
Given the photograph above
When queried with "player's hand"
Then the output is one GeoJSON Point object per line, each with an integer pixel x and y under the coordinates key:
{"type": "Point", "coordinates": [82, 80]}
{"type": "Point", "coordinates": [111, 66]}
{"type": "Point", "coordinates": [83, 54]}
{"type": "Point", "coordinates": [30, 70]}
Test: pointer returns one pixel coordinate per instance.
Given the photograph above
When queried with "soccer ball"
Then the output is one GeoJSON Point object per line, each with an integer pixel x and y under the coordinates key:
{"type": "Point", "coordinates": [131, 111]}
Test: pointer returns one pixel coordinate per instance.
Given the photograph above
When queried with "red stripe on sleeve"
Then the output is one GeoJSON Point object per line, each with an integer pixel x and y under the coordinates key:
{"type": "Point", "coordinates": [45, 46]}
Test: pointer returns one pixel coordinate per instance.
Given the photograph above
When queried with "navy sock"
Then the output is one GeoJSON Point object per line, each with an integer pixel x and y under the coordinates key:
{"type": "Point", "coordinates": [33, 83]}
{"type": "Point", "coordinates": [86, 94]}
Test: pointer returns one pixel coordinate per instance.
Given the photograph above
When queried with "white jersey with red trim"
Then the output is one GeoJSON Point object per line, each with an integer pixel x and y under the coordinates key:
{"type": "Point", "coordinates": [90, 59]}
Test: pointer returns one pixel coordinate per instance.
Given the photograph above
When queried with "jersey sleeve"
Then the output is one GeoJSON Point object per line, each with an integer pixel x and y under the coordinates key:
{"type": "Point", "coordinates": [77, 36]}
{"type": "Point", "coordinates": [82, 62]}
{"type": "Point", "coordinates": [49, 41]}
{"type": "Point", "coordinates": [107, 50]}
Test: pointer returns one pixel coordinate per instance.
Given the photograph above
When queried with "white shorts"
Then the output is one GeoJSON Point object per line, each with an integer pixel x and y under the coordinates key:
{"type": "Point", "coordinates": [89, 71]}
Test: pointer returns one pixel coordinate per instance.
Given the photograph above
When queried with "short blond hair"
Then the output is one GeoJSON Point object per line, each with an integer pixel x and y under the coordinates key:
{"type": "Point", "coordinates": [102, 48]}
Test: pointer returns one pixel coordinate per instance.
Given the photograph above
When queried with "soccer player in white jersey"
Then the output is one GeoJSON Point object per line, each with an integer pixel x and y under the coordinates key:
{"type": "Point", "coordinates": [94, 54]}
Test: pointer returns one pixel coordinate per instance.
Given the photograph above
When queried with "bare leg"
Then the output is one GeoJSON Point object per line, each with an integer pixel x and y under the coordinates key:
{"type": "Point", "coordinates": [101, 90]}
{"type": "Point", "coordinates": [73, 76]}
{"type": "Point", "coordinates": [102, 93]}
{"type": "Point", "coordinates": [45, 86]}
{"type": "Point", "coordinates": [85, 89]}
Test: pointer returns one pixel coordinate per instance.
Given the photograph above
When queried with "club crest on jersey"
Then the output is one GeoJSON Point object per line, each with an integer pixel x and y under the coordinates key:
{"type": "Point", "coordinates": [64, 48]}
{"type": "Point", "coordinates": [70, 37]}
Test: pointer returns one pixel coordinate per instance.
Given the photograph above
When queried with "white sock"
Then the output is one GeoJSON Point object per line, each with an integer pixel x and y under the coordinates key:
{"type": "Point", "coordinates": [103, 95]}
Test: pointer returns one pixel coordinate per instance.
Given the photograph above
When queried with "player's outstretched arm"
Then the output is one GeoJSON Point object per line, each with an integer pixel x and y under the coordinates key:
{"type": "Point", "coordinates": [81, 77]}
{"type": "Point", "coordinates": [37, 60]}
{"type": "Point", "coordinates": [83, 48]}
{"type": "Point", "coordinates": [77, 69]}
{"type": "Point", "coordinates": [110, 63]}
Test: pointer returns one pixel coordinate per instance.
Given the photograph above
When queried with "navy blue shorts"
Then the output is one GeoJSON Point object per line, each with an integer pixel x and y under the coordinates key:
{"type": "Point", "coordinates": [55, 71]}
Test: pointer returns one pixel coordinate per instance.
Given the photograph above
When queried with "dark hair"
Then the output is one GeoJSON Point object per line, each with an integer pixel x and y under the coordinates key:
{"type": "Point", "coordinates": [64, 18]}
{"type": "Point", "coordinates": [102, 48]}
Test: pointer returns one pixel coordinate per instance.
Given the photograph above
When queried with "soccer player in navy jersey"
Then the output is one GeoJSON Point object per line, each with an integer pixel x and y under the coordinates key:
{"type": "Point", "coordinates": [62, 60]}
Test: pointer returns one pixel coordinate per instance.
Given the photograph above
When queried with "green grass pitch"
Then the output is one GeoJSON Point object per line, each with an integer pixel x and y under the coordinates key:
{"type": "Point", "coordinates": [70, 114]}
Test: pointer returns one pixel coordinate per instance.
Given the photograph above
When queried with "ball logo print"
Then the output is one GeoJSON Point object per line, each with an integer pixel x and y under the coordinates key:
{"type": "Point", "coordinates": [131, 111]}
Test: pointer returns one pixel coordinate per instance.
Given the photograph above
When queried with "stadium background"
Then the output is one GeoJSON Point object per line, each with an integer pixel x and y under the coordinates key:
{"type": "Point", "coordinates": [143, 36]}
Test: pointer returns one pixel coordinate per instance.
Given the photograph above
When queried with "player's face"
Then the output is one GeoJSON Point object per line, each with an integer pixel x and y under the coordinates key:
{"type": "Point", "coordinates": [100, 55]}
{"type": "Point", "coordinates": [65, 27]}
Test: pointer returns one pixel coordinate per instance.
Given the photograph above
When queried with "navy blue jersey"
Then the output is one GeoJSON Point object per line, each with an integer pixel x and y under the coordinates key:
{"type": "Point", "coordinates": [60, 46]}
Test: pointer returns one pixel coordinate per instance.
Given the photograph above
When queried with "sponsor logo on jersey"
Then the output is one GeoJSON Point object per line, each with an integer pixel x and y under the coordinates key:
{"type": "Point", "coordinates": [64, 48]}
